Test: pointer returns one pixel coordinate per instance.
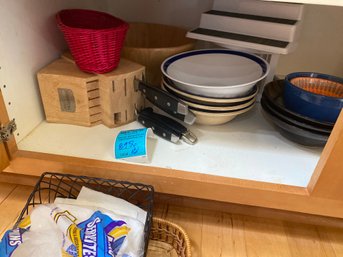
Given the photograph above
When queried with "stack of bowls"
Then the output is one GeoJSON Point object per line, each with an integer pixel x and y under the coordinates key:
{"type": "Point", "coordinates": [217, 84]}
{"type": "Point", "coordinates": [304, 106]}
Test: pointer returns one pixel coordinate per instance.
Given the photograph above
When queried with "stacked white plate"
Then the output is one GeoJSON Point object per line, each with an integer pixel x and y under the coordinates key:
{"type": "Point", "coordinates": [217, 84]}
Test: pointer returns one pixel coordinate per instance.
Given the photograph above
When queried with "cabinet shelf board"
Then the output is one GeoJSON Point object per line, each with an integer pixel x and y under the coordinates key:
{"type": "Point", "coordinates": [245, 148]}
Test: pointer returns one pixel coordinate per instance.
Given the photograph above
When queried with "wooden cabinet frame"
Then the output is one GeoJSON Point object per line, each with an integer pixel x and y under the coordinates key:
{"type": "Point", "coordinates": [5, 148]}
{"type": "Point", "coordinates": [322, 196]}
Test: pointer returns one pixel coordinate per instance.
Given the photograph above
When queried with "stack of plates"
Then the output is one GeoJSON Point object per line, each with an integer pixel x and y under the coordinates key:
{"type": "Point", "coordinates": [292, 125]}
{"type": "Point", "coordinates": [217, 84]}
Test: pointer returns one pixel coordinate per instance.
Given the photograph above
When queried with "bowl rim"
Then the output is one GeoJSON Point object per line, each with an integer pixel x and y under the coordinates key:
{"type": "Point", "coordinates": [220, 108]}
{"type": "Point", "coordinates": [222, 113]}
{"type": "Point", "coordinates": [318, 75]}
{"type": "Point", "coordinates": [252, 93]}
{"type": "Point", "coordinates": [123, 25]}
{"type": "Point", "coordinates": [263, 63]}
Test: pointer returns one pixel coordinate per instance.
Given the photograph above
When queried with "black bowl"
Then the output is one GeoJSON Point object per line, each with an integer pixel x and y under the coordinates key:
{"type": "Point", "coordinates": [273, 92]}
{"type": "Point", "coordinates": [293, 133]}
{"type": "Point", "coordinates": [292, 121]}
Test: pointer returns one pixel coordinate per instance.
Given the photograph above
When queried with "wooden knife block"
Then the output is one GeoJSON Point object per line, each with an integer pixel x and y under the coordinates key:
{"type": "Point", "coordinates": [72, 96]}
{"type": "Point", "coordinates": [118, 97]}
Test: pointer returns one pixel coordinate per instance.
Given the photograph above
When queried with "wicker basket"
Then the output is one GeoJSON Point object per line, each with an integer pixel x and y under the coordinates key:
{"type": "Point", "coordinates": [95, 38]}
{"type": "Point", "coordinates": [168, 239]}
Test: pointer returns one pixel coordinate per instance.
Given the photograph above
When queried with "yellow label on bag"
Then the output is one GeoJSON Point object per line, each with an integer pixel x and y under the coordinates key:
{"type": "Point", "coordinates": [25, 223]}
{"type": "Point", "coordinates": [75, 237]}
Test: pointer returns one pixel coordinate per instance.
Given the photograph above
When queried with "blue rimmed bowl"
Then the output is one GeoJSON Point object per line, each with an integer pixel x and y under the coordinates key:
{"type": "Point", "coordinates": [314, 95]}
{"type": "Point", "coordinates": [215, 73]}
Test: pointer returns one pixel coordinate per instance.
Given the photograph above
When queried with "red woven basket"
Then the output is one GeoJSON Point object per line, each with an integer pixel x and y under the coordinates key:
{"type": "Point", "coordinates": [95, 38]}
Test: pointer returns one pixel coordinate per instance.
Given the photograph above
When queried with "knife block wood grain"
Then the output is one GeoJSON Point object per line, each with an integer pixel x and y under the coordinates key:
{"type": "Point", "coordinates": [72, 96]}
{"type": "Point", "coordinates": [119, 99]}
{"type": "Point", "coordinates": [69, 95]}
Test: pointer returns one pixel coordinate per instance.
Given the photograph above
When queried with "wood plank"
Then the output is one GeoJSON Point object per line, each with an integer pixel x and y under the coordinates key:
{"type": "Point", "coordinates": [18, 179]}
{"type": "Point", "coordinates": [191, 221]}
{"type": "Point", "coordinates": [212, 234]}
{"type": "Point", "coordinates": [216, 233]}
{"type": "Point", "coordinates": [264, 237]}
{"type": "Point", "coordinates": [248, 210]}
{"type": "Point", "coordinates": [333, 238]}
{"type": "Point", "coordinates": [233, 230]}
{"type": "Point", "coordinates": [4, 159]}
{"type": "Point", "coordinates": [5, 190]}
{"type": "Point", "coordinates": [304, 241]}
{"type": "Point", "coordinates": [11, 207]}
{"type": "Point", "coordinates": [327, 178]}
{"type": "Point", "coordinates": [222, 235]}
{"type": "Point", "coordinates": [11, 145]}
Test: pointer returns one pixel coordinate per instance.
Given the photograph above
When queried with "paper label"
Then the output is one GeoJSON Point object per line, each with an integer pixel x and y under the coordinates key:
{"type": "Point", "coordinates": [67, 100]}
{"type": "Point", "coordinates": [131, 143]}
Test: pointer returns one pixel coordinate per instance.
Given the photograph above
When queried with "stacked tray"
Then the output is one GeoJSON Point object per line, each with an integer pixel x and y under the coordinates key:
{"type": "Point", "coordinates": [292, 125]}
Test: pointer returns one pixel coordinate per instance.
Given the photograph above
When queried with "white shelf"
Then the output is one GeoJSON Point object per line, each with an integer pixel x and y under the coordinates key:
{"type": "Point", "coordinates": [246, 148]}
{"type": "Point", "coordinates": [320, 2]}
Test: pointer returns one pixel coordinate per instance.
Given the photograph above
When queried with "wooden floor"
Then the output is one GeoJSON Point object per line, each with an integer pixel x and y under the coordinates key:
{"type": "Point", "coordinates": [219, 234]}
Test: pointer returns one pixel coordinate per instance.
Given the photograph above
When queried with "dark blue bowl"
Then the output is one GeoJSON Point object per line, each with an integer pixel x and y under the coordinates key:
{"type": "Point", "coordinates": [314, 95]}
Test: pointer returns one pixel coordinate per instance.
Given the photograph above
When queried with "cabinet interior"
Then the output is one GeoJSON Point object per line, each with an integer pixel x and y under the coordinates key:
{"type": "Point", "coordinates": [246, 148]}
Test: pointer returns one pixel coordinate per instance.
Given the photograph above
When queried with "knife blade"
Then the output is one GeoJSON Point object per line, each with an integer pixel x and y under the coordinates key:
{"type": "Point", "coordinates": [166, 102]}
{"type": "Point", "coordinates": [165, 127]}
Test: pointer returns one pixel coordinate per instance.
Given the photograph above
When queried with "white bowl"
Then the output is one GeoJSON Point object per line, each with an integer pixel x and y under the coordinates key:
{"type": "Point", "coordinates": [209, 107]}
{"type": "Point", "coordinates": [215, 72]}
{"type": "Point", "coordinates": [208, 100]}
{"type": "Point", "coordinates": [220, 108]}
{"type": "Point", "coordinates": [217, 118]}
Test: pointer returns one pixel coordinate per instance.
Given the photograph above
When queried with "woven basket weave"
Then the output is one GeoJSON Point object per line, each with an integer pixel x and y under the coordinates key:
{"type": "Point", "coordinates": [95, 38]}
{"type": "Point", "coordinates": [168, 239]}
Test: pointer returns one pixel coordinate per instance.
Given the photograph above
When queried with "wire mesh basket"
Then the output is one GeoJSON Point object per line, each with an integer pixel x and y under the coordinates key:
{"type": "Point", "coordinates": [53, 185]}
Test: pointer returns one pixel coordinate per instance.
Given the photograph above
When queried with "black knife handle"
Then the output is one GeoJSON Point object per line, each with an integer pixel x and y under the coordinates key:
{"type": "Point", "coordinates": [162, 99]}
{"type": "Point", "coordinates": [159, 128]}
{"type": "Point", "coordinates": [177, 127]}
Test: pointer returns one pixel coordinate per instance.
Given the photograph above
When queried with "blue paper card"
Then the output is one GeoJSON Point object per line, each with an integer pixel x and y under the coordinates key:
{"type": "Point", "coordinates": [131, 143]}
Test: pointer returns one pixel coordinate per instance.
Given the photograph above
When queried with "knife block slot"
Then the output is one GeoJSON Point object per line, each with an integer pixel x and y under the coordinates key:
{"type": "Point", "coordinates": [125, 91]}
{"type": "Point", "coordinates": [72, 96]}
{"type": "Point", "coordinates": [117, 118]}
{"type": "Point", "coordinates": [124, 99]}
